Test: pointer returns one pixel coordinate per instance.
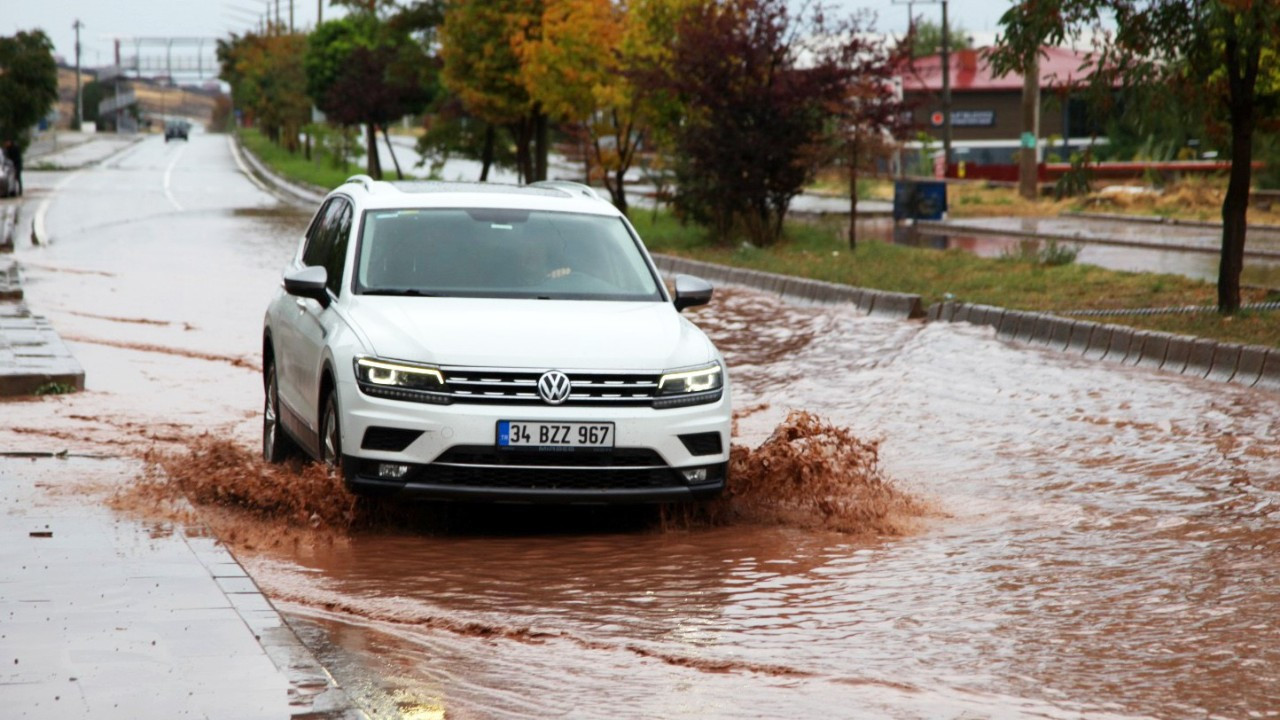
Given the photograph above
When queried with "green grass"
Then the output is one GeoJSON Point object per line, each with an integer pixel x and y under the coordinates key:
{"type": "Point", "coordinates": [319, 170]}
{"type": "Point", "coordinates": [1019, 281]}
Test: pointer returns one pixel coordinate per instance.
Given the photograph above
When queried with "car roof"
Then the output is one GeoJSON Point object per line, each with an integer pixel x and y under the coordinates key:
{"type": "Point", "coordinates": [555, 195]}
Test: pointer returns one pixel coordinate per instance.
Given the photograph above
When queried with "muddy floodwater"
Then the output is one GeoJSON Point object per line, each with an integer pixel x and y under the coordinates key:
{"type": "Point", "coordinates": [1109, 550]}
{"type": "Point", "coordinates": [1102, 541]}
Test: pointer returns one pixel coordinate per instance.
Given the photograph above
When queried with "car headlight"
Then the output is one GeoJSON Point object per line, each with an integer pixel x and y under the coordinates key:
{"type": "Point", "coordinates": [690, 387]}
{"type": "Point", "coordinates": [401, 381]}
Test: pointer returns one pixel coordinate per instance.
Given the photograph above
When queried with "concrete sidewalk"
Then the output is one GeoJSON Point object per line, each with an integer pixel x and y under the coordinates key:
{"type": "Point", "coordinates": [103, 616]}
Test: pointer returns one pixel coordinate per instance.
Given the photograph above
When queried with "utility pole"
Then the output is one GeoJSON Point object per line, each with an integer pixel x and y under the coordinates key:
{"type": "Point", "coordinates": [319, 12]}
{"type": "Point", "coordinates": [945, 57]}
{"type": "Point", "coordinates": [1030, 126]}
{"type": "Point", "coordinates": [946, 88]}
{"type": "Point", "coordinates": [290, 17]}
{"type": "Point", "coordinates": [79, 103]}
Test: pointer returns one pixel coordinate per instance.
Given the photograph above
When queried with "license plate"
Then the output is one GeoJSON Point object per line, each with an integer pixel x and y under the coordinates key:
{"type": "Point", "coordinates": [518, 433]}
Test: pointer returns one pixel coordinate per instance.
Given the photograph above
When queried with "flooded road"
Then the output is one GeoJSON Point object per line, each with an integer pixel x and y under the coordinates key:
{"type": "Point", "coordinates": [1103, 541]}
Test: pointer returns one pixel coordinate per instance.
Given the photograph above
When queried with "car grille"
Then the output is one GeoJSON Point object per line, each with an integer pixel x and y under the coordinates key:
{"type": "Point", "coordinates": [490, 456]}
{"type": "Point", "coordinates": [520, 387]}
{"type": "Point", "coordinates": [483, 466]}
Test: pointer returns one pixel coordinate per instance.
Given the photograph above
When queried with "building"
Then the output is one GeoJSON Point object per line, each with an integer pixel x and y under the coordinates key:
{"type": "Point", "coordinates": [986, 111]}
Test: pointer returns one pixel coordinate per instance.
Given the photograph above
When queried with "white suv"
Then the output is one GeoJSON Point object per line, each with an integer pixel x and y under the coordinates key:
{"type": "Point", "coordinates": [490, 342]}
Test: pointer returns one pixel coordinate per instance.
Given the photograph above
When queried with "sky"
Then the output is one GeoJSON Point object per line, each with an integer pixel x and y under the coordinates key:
{"type": "Point", "coordinates": [105, 20]}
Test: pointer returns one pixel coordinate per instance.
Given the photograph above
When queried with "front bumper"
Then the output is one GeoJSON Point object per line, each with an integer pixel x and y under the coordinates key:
{"type": "Point", "coordinates": [449, 452]}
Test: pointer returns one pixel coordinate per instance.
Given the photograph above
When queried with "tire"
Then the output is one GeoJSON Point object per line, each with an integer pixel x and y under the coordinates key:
{"type": "Point", "coordinates": [277, 446]}
{"type": "Point", "coordinates": [331, 432]}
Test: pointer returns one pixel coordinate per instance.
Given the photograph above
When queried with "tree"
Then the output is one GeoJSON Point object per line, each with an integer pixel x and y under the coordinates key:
{"type": "Point", "coordinates": [761, 96]}
{"type": "Point", "coordinates": [873, 110]}
{"type": "Point", "coordinates": [361, 70]}
{"type": "Point", "coordinates": [482, 67]}
{"type": "Point", "coordinates": [28, 83]}
{"type": "Point", "coordinates": [267, 80]}
{"type": "Point", "coordinates": [1212, 52]}
{"type": "Point", "coordinates": [575, 70]}
{"type": "Point", "coordinates": [926, 38]}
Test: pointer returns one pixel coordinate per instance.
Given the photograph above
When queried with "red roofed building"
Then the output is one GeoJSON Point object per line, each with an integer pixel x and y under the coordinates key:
{"type": "Point", "coordinates": [986, 111]}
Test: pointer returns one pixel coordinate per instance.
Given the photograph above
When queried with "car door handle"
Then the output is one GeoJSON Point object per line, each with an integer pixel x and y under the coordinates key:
{"type": "Point", "coordinates": [301, 303]}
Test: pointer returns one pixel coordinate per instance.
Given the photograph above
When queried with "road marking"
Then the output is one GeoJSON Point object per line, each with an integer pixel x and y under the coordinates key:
{"type": "Point", "coordinates": [235, 153]}
{"type": "Point", "coordinates": [39, 235]}
{"type": "Point", "coordinates": [168, 175]}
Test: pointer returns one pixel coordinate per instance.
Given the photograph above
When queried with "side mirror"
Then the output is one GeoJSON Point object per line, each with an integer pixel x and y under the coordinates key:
{"type": "Point", "coordinates": [691, 291]}
{"type": "Point", "coordinates": [309, 282]}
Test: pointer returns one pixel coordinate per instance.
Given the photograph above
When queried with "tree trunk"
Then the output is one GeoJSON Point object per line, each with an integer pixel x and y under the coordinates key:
{"type": "Point", "coordinates": [1242, 81]}
{"type": "Point", "coordinates": [395, 161]}
{"type": "Point", "coordinates": [371, 145]}
{"type": "Point", "coordinates": [540, 137]}
{"type": "Point", "coordinates": [853, 192]}
{"type": "Point", "coordinates": [524, 163]}
{"type": "Point", "coordinates": [486, 155]}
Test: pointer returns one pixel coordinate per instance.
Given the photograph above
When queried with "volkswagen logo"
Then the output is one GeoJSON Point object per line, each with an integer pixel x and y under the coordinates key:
{"type": "Point", "coordinates": [553, 387]}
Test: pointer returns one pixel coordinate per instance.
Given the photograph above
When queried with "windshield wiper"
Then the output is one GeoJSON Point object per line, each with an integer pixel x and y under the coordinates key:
{"type": "Point", "coordinates": [398, 292]}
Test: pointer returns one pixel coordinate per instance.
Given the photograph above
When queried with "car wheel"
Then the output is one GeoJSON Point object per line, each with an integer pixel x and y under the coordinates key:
{"type": "Point", "coordinates": [277, 446]}
{"type": "Point", "coordinates": [331, 432]}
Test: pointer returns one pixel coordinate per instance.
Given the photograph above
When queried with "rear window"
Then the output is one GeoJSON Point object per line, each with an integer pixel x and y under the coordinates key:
{"type": "Point", "coordinates": [501, 253]}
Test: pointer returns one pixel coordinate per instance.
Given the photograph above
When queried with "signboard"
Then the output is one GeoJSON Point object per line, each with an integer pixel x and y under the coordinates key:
{"type": "Point", "coordinates": [965, 118]}
{"type": "Point", "coordinates": [919, 200]}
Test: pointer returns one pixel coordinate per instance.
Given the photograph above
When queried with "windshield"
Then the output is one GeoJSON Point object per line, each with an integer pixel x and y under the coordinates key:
{"type": "Point", "coordinates": [501, 253]}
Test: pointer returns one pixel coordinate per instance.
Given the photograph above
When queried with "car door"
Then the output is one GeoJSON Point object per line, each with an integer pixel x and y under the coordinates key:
{"type": "Point", "coordinates": [317, 322]}
{"type": "Point", "coordinates": [294, 320]}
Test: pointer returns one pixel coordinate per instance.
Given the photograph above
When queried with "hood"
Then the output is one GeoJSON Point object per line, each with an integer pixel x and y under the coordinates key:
{"type": "Point", "coordinates": [562, 334]}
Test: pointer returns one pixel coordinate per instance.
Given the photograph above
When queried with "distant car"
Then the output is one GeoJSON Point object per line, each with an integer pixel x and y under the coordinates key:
{"type": "Point", "coordinates": [175, 131]}
{"type": "Point", "coordinates": [489, 342]}
{"type": "Point", "coordinates": [8, 178]}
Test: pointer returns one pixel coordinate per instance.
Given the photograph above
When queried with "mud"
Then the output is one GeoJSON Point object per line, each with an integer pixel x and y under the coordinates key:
{"type": "Point", "coordinates": [812, 475]}
{"type": "Point", "coordinates": [240, 362]}
{"type": "Point", "coordinates": [808, 475]}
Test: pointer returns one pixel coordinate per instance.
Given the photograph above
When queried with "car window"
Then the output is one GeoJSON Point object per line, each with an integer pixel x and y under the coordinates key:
{"type": "Point", "coordinates": [320, 235]}
{"type": "Point", "coordinates": [502, 253]}
{"type": "Point", "coordinates": [336, 260]}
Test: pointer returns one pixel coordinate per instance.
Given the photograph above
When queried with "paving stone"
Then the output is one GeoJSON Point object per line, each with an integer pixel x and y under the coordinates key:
{"type": "Point", "coordinates": [1099, 342]}
{"type": "Point", "coordinates": [1175, 359]}
{"type": "Point", "coordinates": [1155, 348]}
{"type": "Point", "coordinates": [1226, 356]}
{"type": "Point", "coordinates": [1118, 345]}
{"type": "Point", "coordinates": [1199, 357]}
{"type": "Point", "coordinates": [1060, 333]}
{"type": "Point", "coordinates": [1250, 365]}
{"type": "Point", "coordinates": [1136, 346]}
{"type": "Point", "coordinates": [1269, 378]}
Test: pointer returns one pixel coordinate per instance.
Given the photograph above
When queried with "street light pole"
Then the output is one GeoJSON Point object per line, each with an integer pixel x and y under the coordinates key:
{"type": "Point", "coordinates": [79, 104]}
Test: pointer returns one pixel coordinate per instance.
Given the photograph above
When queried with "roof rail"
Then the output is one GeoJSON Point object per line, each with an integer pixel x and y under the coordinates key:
{"type": "Point", "coordinates": [364, 180]}
{"type": "Point", "coordinates": [569, 186]}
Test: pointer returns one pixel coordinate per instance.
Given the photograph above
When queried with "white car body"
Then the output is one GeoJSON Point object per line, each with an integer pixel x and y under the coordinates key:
{"type": "Point", "coordinates": [643, 377]}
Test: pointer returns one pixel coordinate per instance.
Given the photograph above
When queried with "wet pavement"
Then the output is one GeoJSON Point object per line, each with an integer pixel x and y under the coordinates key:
{"type": "Point", "coordinates": [1102, 541]}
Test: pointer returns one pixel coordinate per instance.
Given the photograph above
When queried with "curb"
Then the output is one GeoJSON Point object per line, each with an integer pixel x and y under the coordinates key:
{"type": "Point", "coordinates": [903, 306]}
{"type": "Point", "coordinates": [257, 171]}
{"type": "Point", "coordinates": [1247, 365]}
